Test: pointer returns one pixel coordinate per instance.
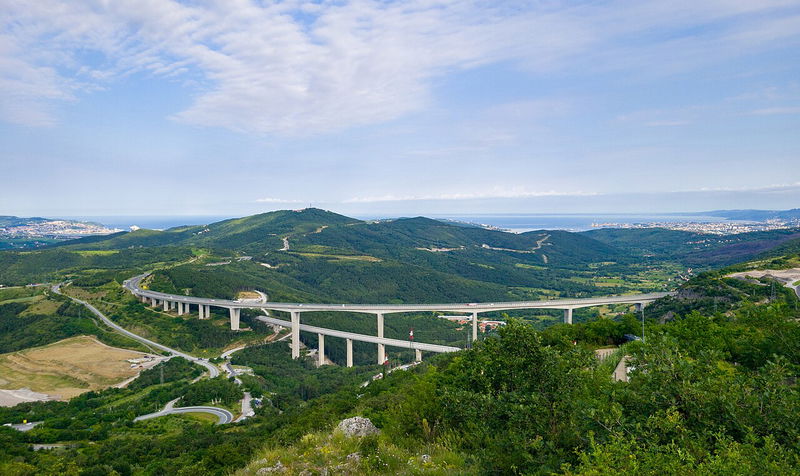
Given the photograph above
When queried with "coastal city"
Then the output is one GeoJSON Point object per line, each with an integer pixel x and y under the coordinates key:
{"type": "Point", "coordinates": [53, 229]}
{"type": "Point", "coordinates": [710, 228]}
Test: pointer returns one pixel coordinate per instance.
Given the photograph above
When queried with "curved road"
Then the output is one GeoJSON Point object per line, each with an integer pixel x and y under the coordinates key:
{"type": "Point", "coordinates": [132, 285]}
{"type": "Point", "coordinates": [224, 416]}
{"type": "Point", "coordinates": [213, 371]}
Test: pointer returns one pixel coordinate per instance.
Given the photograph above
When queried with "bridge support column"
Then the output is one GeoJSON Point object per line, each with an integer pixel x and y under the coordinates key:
{"type": "Point", "coordinates": [349, 352]}
{"type": "Point", "coordinates": [207, 311]}
{"type": "Point", "coordinates": [639, 306]}
{"type": "Point", "coordinates": [180, 308]}
{"type": "Point", "coordinates": [166, 305]}
{"type": "Point", "coordinates": [200, 309]}
{"type": "Point", "coordinates": [418, 357]}
{"type": "Point", "coordinates": [235, 312]}
{"type": "Point", "coordinates": [153, 302]}
{"type": "Point", "coordinates": [474, 326]}
{"type": "Point", "coordinates": [320, 350]}
{"type": "Point", "coordinates": [381, 347]}
{"type": "Point", "coordinates": [144, 299]}
{"type": "Point", "coordinates": [295, 334]}
{"type": "Point", "coordinates": [568, 316]}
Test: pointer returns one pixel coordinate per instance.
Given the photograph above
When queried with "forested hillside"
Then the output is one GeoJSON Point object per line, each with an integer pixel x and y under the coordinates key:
{"type": "Point", "coordinates": [712, 390]}
{"type": "Point", "coordinates": [697, 249]}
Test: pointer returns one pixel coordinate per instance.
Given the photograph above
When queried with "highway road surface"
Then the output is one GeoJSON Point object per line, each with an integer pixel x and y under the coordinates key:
{"type": "Point", "coordinates": [405, 344]}
{"type": "Point", "coordinates": [24, 426]}
{"type": "Point", "coordinates": [133, 286]}
{"type": "Point", "coordinates": [213, 371]}
{"type": "Point", "coordinates": [224, 416]}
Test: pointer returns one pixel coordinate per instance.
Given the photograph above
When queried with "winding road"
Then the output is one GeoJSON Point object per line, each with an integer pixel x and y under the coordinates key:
{"type": "Point", "coordinates": [213, 371]}
{"type": "Point", "coordinates": [223, 416]}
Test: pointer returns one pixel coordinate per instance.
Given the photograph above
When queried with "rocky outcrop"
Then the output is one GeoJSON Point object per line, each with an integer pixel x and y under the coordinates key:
{"type": "Point", "coordinates": [357, 426]}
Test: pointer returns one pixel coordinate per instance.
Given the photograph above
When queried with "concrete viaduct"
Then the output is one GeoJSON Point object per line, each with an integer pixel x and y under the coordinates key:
{"type": "Point", "coordinates": [183, 304]}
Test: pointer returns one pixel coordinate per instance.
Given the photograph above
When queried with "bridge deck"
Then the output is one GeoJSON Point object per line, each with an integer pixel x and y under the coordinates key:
{"type": "Point", "coordinates": [133, 285]}
{"type": "Point", "coordinates": [405, 344]}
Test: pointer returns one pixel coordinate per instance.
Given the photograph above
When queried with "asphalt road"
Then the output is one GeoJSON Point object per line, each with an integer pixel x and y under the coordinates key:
{"type": "Point", "coordinates": [133, 286]}
{"type": "Point", "coordinates": [405, 344]}
{"type": "Point", "coordinates": [213, 371]}
{"type": "Point", "coordinates": [223, 415]}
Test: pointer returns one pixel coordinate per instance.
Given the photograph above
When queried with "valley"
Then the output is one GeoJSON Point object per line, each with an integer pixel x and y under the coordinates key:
{"type": "Point", "coordinates": [298, 401]}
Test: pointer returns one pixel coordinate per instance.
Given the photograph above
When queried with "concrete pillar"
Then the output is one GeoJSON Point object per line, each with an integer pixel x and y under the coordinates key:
{"type": "Point", "coordinates": [166, 305]}
{"type": "Point", "coordinates": [321, 350]}
{"type": "Point", "coordinates": [144, 299]}
{"type": "Point", "coordinates": [154, 302]}
{"type": "Point", "coordinates": [180, 308]}
{"type": "Point", "coordinates": [295, 334]}
{"type": "Point", "coordinates": [568, 316]}
{"type": "Point", "coordinates": [235, 312]}
{"type": "Point", "coordinates": [639, 306]}
{"type": "Point", "coordinates": [207, 312]}
{"type": "Point", "coordinates": [418, 357]}
{"type": "Point", "coordinates": [381, 347]}
{"type": "Point", "coordinates": [200, 309]}
{"type": "Point", "coordinates": [474, 326]}
{"type": "Point", "coordinates": [349, 352]}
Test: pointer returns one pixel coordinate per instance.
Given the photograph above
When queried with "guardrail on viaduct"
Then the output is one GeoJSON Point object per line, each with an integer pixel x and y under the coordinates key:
{"type": "Point", "coordinates": [182, 305]}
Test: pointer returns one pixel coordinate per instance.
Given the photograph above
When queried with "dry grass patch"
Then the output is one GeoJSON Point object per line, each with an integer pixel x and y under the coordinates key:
{"type": "Point", "coordinates": [248, 295]}
{"type": "Point", "coordinates": [42, 306]}
{"type": "Point", "coordinates": [68, 367]}
{"type": "Point", "coordinates": [81, 293]}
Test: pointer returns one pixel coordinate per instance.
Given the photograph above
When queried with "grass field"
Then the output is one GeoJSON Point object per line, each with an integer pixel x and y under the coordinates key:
{"type": "Point", "coordinates": [368, 258]}
{"type": "Point", "coordinates": [67, 368]}
{"type": "Point", "coordinates": [42, 306]}
{"type": "Point", "coordinates": [201, 416]}
{"type": "Point", "coordinates": [97, 252]}
{"type": "Point", "coordinates": [19, 294]}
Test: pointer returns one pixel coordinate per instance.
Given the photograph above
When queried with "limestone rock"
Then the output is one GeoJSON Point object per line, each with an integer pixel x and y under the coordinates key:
{"type": "Point", "coordinates": [357, 426]}
{"type": "Point", "coordinates": [279, 468]}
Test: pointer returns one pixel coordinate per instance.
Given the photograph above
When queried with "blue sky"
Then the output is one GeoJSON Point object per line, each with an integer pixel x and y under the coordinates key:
{"type": "Point", "coordinates": [235, 107]}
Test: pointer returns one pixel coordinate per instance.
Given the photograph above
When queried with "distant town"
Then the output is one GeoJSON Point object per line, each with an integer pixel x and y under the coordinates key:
{"type": "Point", "coordinates": [710, 228]}
{"type": "Point", "coordinates": [54, 229]}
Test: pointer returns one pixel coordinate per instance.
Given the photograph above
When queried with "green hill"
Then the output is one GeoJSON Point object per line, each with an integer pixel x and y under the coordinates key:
{"type": "Point", "coordinates": [313, 254]}
{"type": "Point", "coordinates": [696, 249]}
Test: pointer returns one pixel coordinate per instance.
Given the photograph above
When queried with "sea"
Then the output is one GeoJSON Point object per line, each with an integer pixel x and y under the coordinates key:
{"type": "Point", "coordinates": [520, 223]}
{"type": "Point", "coordinates": [517, 223]}
{"type": "Point", "coordinates": [151, 222]}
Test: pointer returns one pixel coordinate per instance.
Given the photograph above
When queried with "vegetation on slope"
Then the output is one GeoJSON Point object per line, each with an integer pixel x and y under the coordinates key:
{"type": "Point", "coordinates": [42, 318]}
{"type": "Point", "coordinates": [698, 249]}
{"type": "Point", "coordinates": [710, 392]}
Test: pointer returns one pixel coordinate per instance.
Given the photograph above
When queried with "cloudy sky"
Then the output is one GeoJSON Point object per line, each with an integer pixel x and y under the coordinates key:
{"type": "Point", "coordinates": [378, 107]}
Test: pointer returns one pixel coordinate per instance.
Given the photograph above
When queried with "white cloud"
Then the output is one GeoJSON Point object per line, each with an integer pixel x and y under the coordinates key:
{"type": "Point", "coordinates": [774, 188]}
{"type": "Point", "coordinates": [774, 111]}
{"type": "Point", "coordinates": [667, 123]}
{"type": "Point", "coordinates": [294, 68]}
{"type": "Point", "coordinates": [489, 194]}
{"type": "Point", "coordinates": [277, 200]}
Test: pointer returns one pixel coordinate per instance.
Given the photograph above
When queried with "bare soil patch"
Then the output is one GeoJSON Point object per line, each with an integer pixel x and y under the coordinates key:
{"type": "Point", "coordinates": [787, 276]}
{"type": "Point", "coordinates": [69, 367]}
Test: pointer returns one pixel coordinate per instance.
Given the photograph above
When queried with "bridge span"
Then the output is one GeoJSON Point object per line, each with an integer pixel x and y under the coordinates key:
{"type": "Point", "coordinates": [183, 304]}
